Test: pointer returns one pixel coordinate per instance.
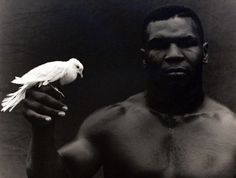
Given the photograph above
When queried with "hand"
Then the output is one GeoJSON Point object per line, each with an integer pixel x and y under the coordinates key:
{"type": "Point", "coordinates": [42, 105]}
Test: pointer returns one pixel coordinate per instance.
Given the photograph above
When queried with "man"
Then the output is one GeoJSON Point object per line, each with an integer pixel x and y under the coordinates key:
{"type": "Point", "coordinates": [171, 130]}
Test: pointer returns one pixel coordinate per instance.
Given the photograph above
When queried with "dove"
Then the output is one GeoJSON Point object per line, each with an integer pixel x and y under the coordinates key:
{"type": "Point", "coordinates": [63, 71]}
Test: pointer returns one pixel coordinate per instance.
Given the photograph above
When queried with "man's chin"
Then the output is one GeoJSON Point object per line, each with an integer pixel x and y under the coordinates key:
{"type": "Point", "coordinates": [176, 80]}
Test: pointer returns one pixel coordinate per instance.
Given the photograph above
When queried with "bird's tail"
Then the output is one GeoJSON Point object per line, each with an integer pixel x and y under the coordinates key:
{"type": "Point", "coordinates": [12, 99]}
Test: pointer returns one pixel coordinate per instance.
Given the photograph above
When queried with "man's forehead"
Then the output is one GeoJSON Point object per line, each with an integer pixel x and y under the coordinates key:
{"type": "Point", "coordinates": [172, 27]}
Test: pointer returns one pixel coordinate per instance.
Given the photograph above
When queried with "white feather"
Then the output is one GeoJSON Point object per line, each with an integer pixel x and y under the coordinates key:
{"type": "Point", "coordinates": [65, 72]}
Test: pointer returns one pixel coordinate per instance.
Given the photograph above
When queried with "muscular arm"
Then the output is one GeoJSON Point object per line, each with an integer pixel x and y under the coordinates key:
{"type": "Point", "coordinates": [79, 158]}
{"type": "Point", "coordinates": [43, 160]}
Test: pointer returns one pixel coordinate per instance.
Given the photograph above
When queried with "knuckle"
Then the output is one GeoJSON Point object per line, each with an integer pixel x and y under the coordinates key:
{"type": "Point", "coordinates": [25, 102]}
{"type": "Point", "coordinates": [27, 113]}
{"type": "Point", "coordinates": [42, 97]}
{"type": "Point", "coordinates": [28, 93]}
{"type": "Point", "coordinates": [28, 104]}
{"type": "Point", "coordinates": [44, 88]}
{"type": "Point", "coordinates": [33, 93]}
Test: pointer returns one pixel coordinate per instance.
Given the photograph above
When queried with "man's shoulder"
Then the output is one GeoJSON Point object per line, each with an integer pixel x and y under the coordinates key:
{"type": "Point", "coordinates": [100, 120]}
{"type": "Point", "coordinates": [118, 109]}
{"type": "Point", "coordinates": [220, 121]}
{"type": "Point", "coordinates": [218, 110]}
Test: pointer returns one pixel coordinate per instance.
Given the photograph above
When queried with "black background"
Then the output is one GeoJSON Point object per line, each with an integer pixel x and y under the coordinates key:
{"type": "Point", "coordinates": [106, 37]}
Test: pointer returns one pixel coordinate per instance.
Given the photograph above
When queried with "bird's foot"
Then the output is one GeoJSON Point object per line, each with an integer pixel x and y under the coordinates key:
{"type": "Point", "coordinates": [57, 90]}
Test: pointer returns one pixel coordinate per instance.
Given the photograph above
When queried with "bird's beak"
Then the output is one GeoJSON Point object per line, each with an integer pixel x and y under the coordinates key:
{"type": "Point", "coordinates": [81, 75]}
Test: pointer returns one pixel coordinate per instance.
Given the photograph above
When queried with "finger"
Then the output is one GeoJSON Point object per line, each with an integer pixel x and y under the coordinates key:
{"type": "Point", "coordinates": [35, 117]}
{"type": "Point", "coordinates": [46, 100]}
{"type": "Point", "coordinates": [42, 109]}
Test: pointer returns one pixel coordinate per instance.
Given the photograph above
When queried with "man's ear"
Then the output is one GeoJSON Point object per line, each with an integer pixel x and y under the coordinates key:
{"type": "Point", "coordinates": [143, 56]}
{"type": "Point", "coordinates": [205, 58]}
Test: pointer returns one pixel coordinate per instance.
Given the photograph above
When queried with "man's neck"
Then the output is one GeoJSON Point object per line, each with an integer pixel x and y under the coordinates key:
{"type": "Point", "coordinates": [174, 100]}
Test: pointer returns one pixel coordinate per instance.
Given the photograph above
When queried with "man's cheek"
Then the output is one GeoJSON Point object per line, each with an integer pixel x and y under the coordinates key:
{"type": "Point", "coordinates": [153, 70]}
{"type": "Point", "coordinates": [155, 57]}
{"type": "Point", "coordinates": [196, 61]}
{"type": "Point", "coordinates": [193, 54]}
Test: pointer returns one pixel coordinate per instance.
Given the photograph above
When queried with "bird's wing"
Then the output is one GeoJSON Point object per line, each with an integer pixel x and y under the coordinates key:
{"type": "Point", "coordinates": [50, 71]}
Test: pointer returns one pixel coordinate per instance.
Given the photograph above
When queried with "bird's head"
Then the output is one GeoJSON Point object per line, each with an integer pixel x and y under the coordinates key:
{"type": "Point", "coordinates": [78, 65]}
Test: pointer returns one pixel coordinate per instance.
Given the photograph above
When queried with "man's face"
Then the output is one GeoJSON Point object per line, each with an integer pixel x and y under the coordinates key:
{"type": "Point", "coordinates": [173, 50]}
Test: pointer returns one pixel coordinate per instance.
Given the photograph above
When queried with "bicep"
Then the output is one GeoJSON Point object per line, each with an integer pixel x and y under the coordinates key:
{"type": "Point", "coordinates": [81, 158]}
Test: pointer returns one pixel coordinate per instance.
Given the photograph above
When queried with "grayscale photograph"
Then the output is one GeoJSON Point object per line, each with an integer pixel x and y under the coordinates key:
{"type": "Point", "coordinates": [118, 89]}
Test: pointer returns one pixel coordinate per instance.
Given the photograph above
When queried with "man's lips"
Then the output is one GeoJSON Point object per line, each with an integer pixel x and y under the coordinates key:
{"type": "Point", "coordinates": [176, 72]}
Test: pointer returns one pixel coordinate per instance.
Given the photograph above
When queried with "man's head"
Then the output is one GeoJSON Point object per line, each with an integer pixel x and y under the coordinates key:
{"type": "Point", "coordinates": [173, 45]}
{"type": "Point", "coordinates": [167, 12]}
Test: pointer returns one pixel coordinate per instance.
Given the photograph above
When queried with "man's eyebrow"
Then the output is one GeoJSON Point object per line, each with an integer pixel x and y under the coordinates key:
{"type": "Point", "coordinates": [162, 42]}
{"type": "Point", "coordinates": [188, 37]}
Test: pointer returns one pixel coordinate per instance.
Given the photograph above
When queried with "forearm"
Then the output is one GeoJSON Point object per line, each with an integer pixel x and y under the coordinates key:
{"type": "Point", "coordinates": [43, 159]}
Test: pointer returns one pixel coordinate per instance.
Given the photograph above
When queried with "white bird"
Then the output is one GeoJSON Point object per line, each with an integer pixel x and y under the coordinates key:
{"type": "Point", "coordinates": [64, 71]}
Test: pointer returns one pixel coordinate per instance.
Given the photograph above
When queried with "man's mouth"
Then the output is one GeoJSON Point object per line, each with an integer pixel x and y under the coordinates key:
{"type": "Point", "coordinates": [176, 72]}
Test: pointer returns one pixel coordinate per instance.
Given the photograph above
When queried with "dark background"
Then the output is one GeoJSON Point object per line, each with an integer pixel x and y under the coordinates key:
{"type": "Point", "coordinates": [105, 36]}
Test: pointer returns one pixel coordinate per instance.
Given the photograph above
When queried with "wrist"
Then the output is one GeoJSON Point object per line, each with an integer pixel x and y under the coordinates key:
{"type": "Point", "coordinates": [43, 131]}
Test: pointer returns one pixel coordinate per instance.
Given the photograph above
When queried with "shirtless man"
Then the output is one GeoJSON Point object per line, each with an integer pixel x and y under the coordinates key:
{"type": "Point", "coordinates": [172, 130]}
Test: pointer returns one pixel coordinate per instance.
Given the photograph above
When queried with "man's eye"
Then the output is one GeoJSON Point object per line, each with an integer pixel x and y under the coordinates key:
{"type": "Point", "coordinates": [185, 43]}
{"type": "Point", "coordinates": [160, 44]}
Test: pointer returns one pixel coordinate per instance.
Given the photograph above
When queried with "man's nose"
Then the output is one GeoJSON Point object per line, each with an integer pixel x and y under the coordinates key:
{"type": "Point", "coordinates": [174, 54]}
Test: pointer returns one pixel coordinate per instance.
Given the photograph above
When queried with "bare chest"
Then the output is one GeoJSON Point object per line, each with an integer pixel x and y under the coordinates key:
{"type": "Point", "coordinates": [158, 151]}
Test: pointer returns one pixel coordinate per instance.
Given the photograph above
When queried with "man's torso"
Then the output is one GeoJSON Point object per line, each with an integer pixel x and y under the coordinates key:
{"type": "Point", "coordinates": [141, 143]}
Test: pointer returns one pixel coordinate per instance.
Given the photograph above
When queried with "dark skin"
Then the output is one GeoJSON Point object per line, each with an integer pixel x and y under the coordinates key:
{"type": "Point", "coordinates": [138, 138]}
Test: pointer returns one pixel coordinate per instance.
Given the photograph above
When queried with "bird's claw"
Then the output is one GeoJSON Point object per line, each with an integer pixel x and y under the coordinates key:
{"type": "Point", "coordinates": [57, 90]}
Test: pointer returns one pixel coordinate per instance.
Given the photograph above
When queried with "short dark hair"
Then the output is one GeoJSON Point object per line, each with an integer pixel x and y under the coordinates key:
{"type": "Point", "coordinates": [166, 12]}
